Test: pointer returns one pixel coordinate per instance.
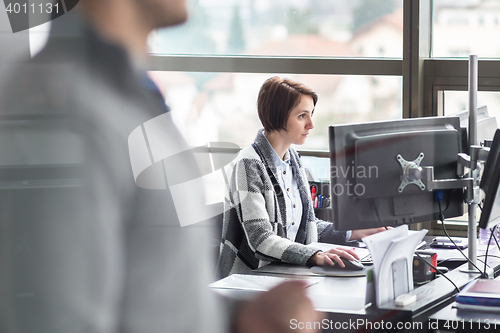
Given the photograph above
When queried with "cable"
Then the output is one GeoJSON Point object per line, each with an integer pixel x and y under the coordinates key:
{"type": "Point", "coordinates": [492, 230]}
{"type": "Point", "coordinates": [491, 256]}
{"type": "Point", "coordinates": [376, 206]}
{"type": "Point", "coordinates": [438, 195]}
{"type": "Point", "coordinates": [437, 270]}
{"type": "Point", "coordinates": [456, 246]}
{"type": "Point", "coordinates": [495, 238]}
{"type": "Point", "coordinates": [484, 262]}
{"type": "Point", "coordinates": [448, 259]}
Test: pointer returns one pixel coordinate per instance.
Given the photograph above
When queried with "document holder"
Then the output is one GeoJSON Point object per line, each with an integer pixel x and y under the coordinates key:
{"type": "Point", "coordinates": [392, 253]}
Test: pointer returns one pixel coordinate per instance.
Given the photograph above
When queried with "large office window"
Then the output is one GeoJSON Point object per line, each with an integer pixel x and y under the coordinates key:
{"type": "Point", "coordinates": [461, 28]}
{"type": "Point", "coordinates": [211, 68]}
{"type": "Point", "coordinates": [341, 28]}
{"type": "Point", "coordinates": [210, 107]}
{"type": "Point", "coordinates": [455, 101]}
{"type": "Point", "coordinates": [466, 27]}
{"type": "Point", "coordinates": [368, 59]}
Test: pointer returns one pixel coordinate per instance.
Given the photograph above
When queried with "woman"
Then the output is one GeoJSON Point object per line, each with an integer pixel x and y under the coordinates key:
{"type": "Point", "coordinates": [269, 214]}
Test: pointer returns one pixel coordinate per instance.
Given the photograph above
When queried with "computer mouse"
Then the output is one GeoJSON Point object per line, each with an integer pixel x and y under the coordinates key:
{"type": "Point", "coordinates": [352, 265]}
{"type": "Point", "coordinates": [352, 268]}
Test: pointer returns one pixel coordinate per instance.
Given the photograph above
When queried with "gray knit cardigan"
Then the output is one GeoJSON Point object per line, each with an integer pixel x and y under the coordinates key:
{"type": "Point", "coordinates": [254, 222]}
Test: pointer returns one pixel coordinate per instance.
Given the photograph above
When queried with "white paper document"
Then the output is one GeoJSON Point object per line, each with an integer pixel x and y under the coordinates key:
{"type": "Point", "coordinates": [392, 254]}
{"type": "Point", "coordinates": [254, 282]}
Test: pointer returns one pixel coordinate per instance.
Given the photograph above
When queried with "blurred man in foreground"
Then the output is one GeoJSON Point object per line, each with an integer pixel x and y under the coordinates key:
{"type": "Point", "coordinates": [83, 248]}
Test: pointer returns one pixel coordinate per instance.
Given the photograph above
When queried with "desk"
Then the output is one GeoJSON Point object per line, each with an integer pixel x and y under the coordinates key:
{"type": "Point", "coordinates": [459, 320]}
{"type": "Point", "coordinates": [343, 301]}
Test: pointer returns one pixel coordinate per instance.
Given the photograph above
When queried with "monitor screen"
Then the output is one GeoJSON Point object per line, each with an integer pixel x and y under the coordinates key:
{"type": "Point", "coordinates": [366, 173]}
{"type": "Point", "coordinates": [490, 180]}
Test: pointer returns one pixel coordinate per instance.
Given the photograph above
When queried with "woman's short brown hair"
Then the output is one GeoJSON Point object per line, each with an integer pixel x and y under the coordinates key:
{"type": "Point", "coordinates": [277, 97]}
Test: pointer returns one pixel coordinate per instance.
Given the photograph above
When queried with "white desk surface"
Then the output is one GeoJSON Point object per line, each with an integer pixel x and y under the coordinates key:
{"type": "Point", "coordinates": [348, 295]}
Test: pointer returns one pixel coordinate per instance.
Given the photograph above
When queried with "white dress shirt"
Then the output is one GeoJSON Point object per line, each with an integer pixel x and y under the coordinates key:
{"type": "Point", "coordinates": [290, 189]}
{"type": "Point", "coordinates": [293, 203]}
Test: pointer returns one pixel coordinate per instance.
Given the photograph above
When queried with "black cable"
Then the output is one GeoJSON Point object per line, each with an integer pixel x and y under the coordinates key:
{"type": "Point", "coordinates": [481, 255]}
{"type": "Point", "coordinates": [492, 234]}
{"type": "Point", "coordinates": [492, 230]}
{"type": "Point", "coordinates": [446, 260]}
{"type": "Point", "coordinates": [491, 256]}
{"type": "Point", "coordinates": [484, 262]}
{"type": "Point", "coordinates": [377, 212]}
{"type": "Point", "coordinates": [495, 238]}
{"type": "Point", "coordinates": [437, 270]}
{"type": "Point", "coordinates": [441, 218]}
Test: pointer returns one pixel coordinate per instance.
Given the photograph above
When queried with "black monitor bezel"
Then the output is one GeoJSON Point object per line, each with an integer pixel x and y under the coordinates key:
{"type": "Point", "coordinates": [490, 182]}
{"type": "Point", "coordinates": [491, 161]}
{"type": "Point", "coordinates": [414, 124]}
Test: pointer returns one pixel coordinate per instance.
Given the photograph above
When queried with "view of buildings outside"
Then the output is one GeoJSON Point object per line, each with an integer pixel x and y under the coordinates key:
{"type": "Point", "coordinates": [222, 106]}
{"type": "Point", "coordinates": [210, 107]}
{"type": "Point", "coordinates": [464, 27]}
{"type": "Point", "coordinates": [255, 27]}
{"type": "Point", "coordinates": [461, 28]}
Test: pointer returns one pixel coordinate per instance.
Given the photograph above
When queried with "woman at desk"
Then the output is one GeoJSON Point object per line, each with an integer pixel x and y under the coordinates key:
{"type": "Point", "coordinates": [269, 213]}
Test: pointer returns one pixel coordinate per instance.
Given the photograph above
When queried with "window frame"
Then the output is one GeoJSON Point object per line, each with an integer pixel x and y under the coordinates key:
{"type": "Point", "coordinates": [424, 78]}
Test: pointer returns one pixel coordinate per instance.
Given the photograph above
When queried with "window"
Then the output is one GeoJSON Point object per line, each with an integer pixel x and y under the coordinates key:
{"type": "Point", "coordinates": [456, 101]}
{"type": "Point", "coordinates": [286, 28]}
{"type": "Point", "coordinates": [466, 27]}
{"type": "Point", "coordinates": [210, 107]}
{"type": "Point", "coordinates": [368, 59]}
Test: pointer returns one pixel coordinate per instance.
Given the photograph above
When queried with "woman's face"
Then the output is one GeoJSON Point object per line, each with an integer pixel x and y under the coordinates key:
{"type": "Point", "coordinates": [299, 122]}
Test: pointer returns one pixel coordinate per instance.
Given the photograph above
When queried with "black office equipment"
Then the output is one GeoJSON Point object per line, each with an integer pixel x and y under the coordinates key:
{"type": "Point", "coordinates": [338, 271]}
{"type": "Point", "coordinates": [353, 265]}
{"type": "Point", "coordinates": [447, 244]}
{"type": "Point", "coordinates": [490, 215]}
{"type": "Point", "coordinates": [489, 167]}
{"type": "Point", "coordinates": [367, 163]}
{"type": "Point", "coordinates": [422, 272]}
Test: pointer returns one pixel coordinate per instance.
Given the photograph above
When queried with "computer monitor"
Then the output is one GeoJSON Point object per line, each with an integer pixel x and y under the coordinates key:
{"type": "Point", "coordinates": [490, 181]}
{"type": "Point", "coordinates": [486, 126]}
{"type": "Point", "coordinates": [366, 173]}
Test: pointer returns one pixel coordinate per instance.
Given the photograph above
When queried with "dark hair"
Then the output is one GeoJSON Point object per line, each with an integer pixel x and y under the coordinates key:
{"type": "Point", "coordinates": [277, 97]}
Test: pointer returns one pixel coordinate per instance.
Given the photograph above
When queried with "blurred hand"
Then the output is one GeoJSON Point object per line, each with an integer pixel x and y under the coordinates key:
{"type": "Point", "coordinates": [360, 233]}
{"type": "Point", "coordinates": [332, 257]}
{"type": "Point", "coordinates": [275, 311]}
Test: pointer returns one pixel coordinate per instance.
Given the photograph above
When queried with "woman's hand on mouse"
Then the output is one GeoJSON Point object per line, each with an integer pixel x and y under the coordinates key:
{"type": "Point", "coordinates": [332, 257]}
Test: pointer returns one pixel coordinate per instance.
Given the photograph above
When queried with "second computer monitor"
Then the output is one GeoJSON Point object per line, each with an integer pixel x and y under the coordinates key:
{"type": "Point", "coordinates": [490, 184]}
{"type": "Point", "coordinates": [366, 171]}
{"type": "Point", "coordinates": [486, 126]}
